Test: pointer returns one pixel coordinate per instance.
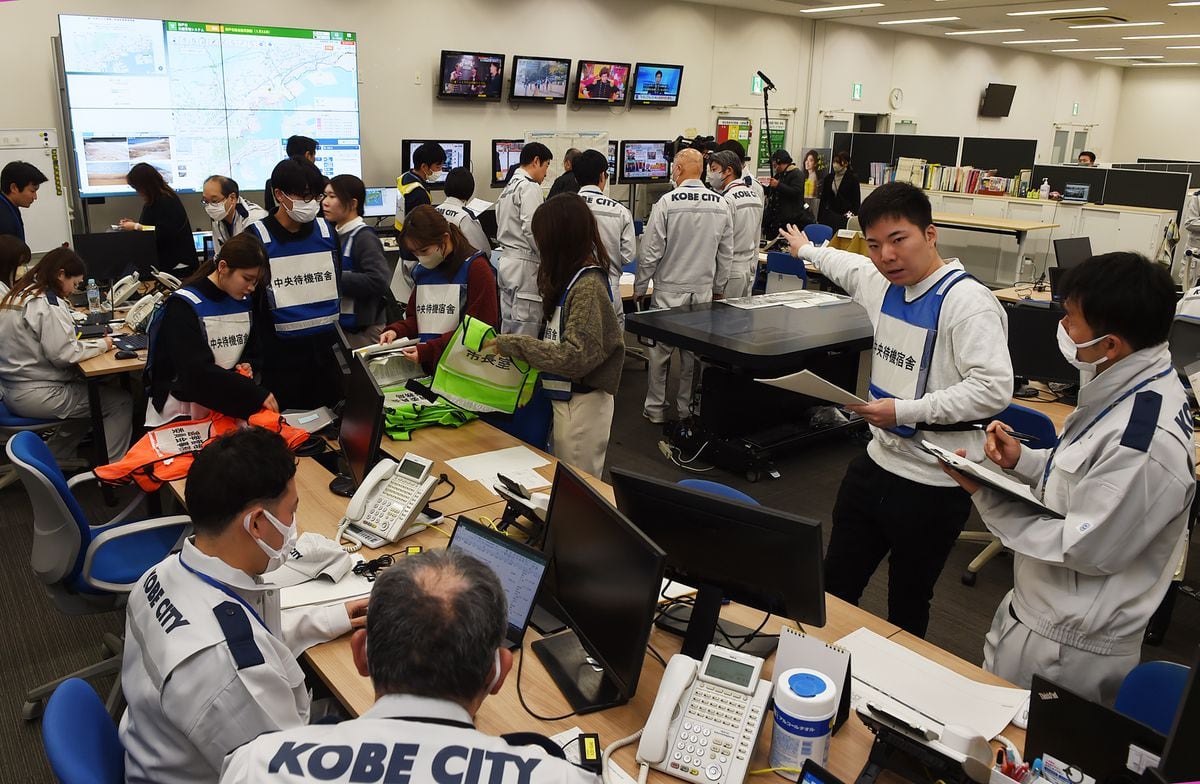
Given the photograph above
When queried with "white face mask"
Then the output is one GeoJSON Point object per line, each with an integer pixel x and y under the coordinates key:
{"type": "Point", "coordinates": [217, 211]}
{"type": "Point", "coordinates": [432, 260]}
{"type": "Point", "coordinates": [277, 557]}
{"type": "Point", "coordinates": [303, 211]}
{"type": "Point", "coordinates": [1070, 348]}
{"type": "Point", "coordinates": [715, 178]}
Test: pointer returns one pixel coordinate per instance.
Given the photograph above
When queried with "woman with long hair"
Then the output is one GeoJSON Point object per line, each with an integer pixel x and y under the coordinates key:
{"type": "Point", "coordinates": [14, 254]}
{"type": "Point", "coordinates": [841, 195]}
{"type": "Point", "coordinates": [581, 349]}
{"type": "Point", "coordinates": [204, 338]}
{"type": "Point", "coordinates": [451, 279]}
{"type": "Point", "coordinates": [41, 350]}
{"type": "Point", "coordinates": [365, 273]}
{"type": "Point", "coordinates": [162, 213]}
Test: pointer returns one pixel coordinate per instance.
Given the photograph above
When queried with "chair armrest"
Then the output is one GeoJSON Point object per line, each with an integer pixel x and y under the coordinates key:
{"type": "Point", "coordinates": [86, 476]}
{"type": "Point", "coordinates": [104, 537]}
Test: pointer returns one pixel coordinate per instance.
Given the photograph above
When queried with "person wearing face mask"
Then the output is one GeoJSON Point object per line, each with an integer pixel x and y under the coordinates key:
{"type": "Point", "coordinates": [426, 695]}
{"type": "Point", "coordinates": [301, 300]}
{"type": "Point", "coordinates": [520, 304]}
{"type": "Point", "coordinates": [210, 659]}
{"type": "Point", "coordinates": [687, 250]}
{"type": "Point", "coordinates": [746, 210]}
{"type": "Point", "coordinates": [613, 219]}
{"type": "Point", "coordinates": [204, 337]}
{"type": "Point", "coordinates": [365, 273]}
{"type": "Point", "coordinates": [228, 211]}
{"type": "Point", "coordinates": [452, 279]}
{"type": "Point", "coordinates": [840, 194]}
{"type": "Point", "coordinates": [1123, 476]}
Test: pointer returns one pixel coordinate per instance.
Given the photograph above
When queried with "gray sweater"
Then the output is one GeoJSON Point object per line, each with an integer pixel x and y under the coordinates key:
{"type": "Point", "coordinates": [367, 283]}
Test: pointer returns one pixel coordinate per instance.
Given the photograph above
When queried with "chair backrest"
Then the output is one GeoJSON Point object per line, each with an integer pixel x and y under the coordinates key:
{"type": "Point", "coordinates": [1151, 693]}
{"type": "Point", "coordinates": [630, 267]}
{"type": "Point", "coordinates": [61, 534]}
{"type": "Point", "coordinates": [785, 272]}
{"type": "Point", "coordinates": [80, 737]}
{"type": "Point", "coordinates": [818, 233]}
{"type": "Point", "coordinates": [716, 488]}
{"type": "Point", "coordinates": [1031, 422]}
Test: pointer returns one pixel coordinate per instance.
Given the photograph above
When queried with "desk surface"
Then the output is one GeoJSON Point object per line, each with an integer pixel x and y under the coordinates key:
{"type": "Point", "coordinates": [1022, 293]}
{"type": "Point", "coordinates": [107, 363]}
{"type": "Point", "coordinates": [951, 220]}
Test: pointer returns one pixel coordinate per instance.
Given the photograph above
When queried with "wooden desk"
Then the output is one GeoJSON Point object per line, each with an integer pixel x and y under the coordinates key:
{"type": "Point", "coordinates": [1016, 228]}
{"type": "Point", "coordinates": [95, 370]}
{"type": "Point", "coordinates": [1022, 294]}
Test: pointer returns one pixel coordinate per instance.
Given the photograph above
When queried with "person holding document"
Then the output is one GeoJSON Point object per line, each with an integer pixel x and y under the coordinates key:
{"type": "Point", "coordinates": [1123, 474]}
{"type": "Point", "coordinates": [939, 365]}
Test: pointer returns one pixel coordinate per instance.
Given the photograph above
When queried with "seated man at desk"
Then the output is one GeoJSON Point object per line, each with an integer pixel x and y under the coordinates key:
{"type": "Point", "coordinates": [1123, 474]}
{"type": "Point", "coordinates": [940, 364]}
{"type": "Point", "coordinates": [210, 661]}
{"type": "Point", "coordinates": [433, 651]}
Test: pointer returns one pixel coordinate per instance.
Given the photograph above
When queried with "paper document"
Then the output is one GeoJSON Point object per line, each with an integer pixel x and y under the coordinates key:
{"type": "Point", "coordinates": [922, 692]}
{"type": "Point", "coordinates": [801, 298]}
{"type": "Point", "coordinates": [478, 206]}
{"type": "Point", "coordinates": [628, 279]}
{"type": "Point", "coordinates": [321, 591]}
{"type": "Point", "coordinates": [615, 774]}
{"type": "Point", "coordinates": [395, 347]}
{"type": "Point", "coordinates": [808, 383]}
{"type": "Point", "coordinates": [993, 479]}
{"type": "Point", "coordinates": [517, 463]}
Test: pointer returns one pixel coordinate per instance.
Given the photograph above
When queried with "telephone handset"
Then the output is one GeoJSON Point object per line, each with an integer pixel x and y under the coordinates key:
{"type": "Point", "coordinates": [123, 289]}
{"type": "Point", "coordinates": [386, 505]}
{"type": "Point", "coordinates": [138, 316]}
{"type": "Point", "coordinates": [707, 717]}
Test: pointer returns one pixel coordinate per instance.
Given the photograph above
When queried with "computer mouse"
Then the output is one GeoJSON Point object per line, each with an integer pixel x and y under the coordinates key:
{"type": "Point", "coordinates": [123, 354]}
{"type": "Point", "coordinates": [1022, 718]}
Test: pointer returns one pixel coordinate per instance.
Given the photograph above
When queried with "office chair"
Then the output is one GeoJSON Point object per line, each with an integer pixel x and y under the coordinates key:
{"type": "Point", "coordinates": [785, 272]}
{"type": "Point", "coordinates": [80, 737]}
{"type": "Point", "coordinates": [818, 233]}
{"type": "Point", "coordinates": [716, 488]}
{"type": "Point", "coordinates": [10, 425]}
{"type": "Point", "coordinates": [85, 568]}
{"type": "Point", "coordinates": [1023, 420]}
{"type": "Point", "coordinates": [1151, 693]}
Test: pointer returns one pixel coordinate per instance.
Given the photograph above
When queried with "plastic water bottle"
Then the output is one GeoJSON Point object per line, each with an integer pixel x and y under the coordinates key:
{"type": "Point", "coordinates": [1044, 191]}
{"type": "Point", "coordinates": [93, 296]}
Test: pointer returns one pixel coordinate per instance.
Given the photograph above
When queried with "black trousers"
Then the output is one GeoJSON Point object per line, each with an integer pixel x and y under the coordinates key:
{"type": "Point", "coordinates": [877, 513]}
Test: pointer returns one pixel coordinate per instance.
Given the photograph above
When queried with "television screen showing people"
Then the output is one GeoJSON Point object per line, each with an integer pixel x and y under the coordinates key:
{"type": "Point", "coordinates": [458, 153]}
{"type": "Point", "coordinates": [602, 82]}
{"type": "Point", "coordinates": [472, 75]}
{"type": "Point", "coordinates": [540, 79]}
{"type": "Point", "coordinates": [506, 154]}
{"type": "Point", "coordinates": [657, 85]}
{"type": "Point", "coordinates": [644, 161]}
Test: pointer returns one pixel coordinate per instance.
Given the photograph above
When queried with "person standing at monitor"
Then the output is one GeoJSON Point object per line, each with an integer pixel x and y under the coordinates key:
{"type": "Point", "coordinates": [841, 194]}
{"type": "Point", "coordinates": [566, 182]}
{"type": "Point", "coordinates": [1123, 476]}
{"type": "Point", "coordinates": [229, 212]}
{"type": "Point", "coordinates": [459, 187]}
{"type": "Point", "coordinates": [19, 182]}
{"type": "Point", "coordinates": [581, 350]}
{"type": "Point", "coordinates": [301, 146]}
{"type": "Point", "coordinates": [520, 304]}
{"type": "Point", "coordinates": [163, 214]}
{"type": "Point", "coordinates": [299, 304]}
{"type": "Point", "coordinates": [687, 251]}
{"type": "Point", "coordinates": [745, 209]}
{"type": "Point", "coordinates": [612, 218]}
{"type": "Point", "coordinates": [365, 273]}
{"type": "Point", "coordinates": [940, 365]}
{"type": "Point", "coordinates": [1087, 158]}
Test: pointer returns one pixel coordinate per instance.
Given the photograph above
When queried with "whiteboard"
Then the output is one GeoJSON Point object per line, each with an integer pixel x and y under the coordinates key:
{"type": "Point", "coordinates": [559, 142]}
{"type": "Point", "coordinates": [47, 222]}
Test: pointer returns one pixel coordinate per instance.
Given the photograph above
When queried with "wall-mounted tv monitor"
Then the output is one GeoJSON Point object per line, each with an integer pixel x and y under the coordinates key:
{"type": "Point", "coordinates": [612, 160]}
{"type": "Point", "coordinates": [540, 79]}
{"type": "Point", "coordinates": [506, 153]}
{"type": "Point", "coordinates": [997, 100]}
{"type": "Point", "coordinates": [644, 161]}
{"type": "Point", "coordinates": [472, 76]}
{"type": "Point", "coordinates": [656, 85]}
{"type": "Point", "coordinates": [601, 82]}
{"type": "Point", "coordinates": [458, 153]}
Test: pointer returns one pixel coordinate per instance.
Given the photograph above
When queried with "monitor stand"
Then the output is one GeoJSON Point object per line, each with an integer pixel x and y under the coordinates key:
{"type": "Point", "coordinates": [342, 485]}
{"type": "Point", "coordinates": [578, 676]}
{"type": "Point", "coordinates": [700, 625]}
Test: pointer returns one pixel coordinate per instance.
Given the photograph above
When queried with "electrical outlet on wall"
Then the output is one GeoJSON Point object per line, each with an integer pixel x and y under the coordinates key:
{"type": "Point", "coordinates": [417, 78]}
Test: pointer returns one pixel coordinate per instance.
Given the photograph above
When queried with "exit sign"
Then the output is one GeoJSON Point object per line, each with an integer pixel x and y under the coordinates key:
{"type": "Point", "coordinates": [756, 85]}
{"type": "Point", "coordinates": [856, 91]}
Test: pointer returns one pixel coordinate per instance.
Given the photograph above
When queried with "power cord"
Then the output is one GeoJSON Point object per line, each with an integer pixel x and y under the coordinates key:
{"type": "Point", "coordinates": [443, 479]}
{"type": "Point", "coordinates": [521, 695]}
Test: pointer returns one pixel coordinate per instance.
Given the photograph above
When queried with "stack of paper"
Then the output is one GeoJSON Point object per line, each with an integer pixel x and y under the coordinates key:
{"type": "Point", "coordinates": [517, 463]}
{"type": "Point", "coordinates": [799, 298]}
{"type": "Point", "coordinates": [808, 383]}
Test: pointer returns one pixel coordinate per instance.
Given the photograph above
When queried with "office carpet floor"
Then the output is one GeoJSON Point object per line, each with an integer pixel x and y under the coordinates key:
{"type": "Point", "coordinates": [40, 644]}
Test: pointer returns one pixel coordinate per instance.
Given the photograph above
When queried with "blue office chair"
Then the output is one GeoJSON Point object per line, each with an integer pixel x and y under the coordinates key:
{"type": "Point", "coordinates": [80, 737]}
{"type": "Point", "coordinates": [1151, 693]}
{"type": "Point", "coordinates": [716, 488]}
{"type": "Point", "coordinates": [818, 233]}
{"type": "Point", "coordinates": [630, 268]}
{"type": "Point", "coordinates": [638, 228]}
{"type": "Point", "coordinates": [86, 568]}
{"type": "Point", "coordinates": [1025, 420]}
{"type": "Point", "coordinates": [530, 423]}
{"type": "Point", "coordinates": [785, 272]}
{"type": "Point", "coordinates": [10, 425]}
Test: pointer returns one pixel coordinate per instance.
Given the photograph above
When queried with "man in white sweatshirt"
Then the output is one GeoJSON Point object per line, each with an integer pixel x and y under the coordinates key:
{"type": "Point", "coordinates": [940, 364]}
{"type": "Point", "coordinates": [1123, 474]}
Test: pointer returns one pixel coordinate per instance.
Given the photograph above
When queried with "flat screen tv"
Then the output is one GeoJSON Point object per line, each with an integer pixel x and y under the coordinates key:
{"type": "Point", "coordinates": [599, 82]}
{"type": "Point", "coordinates": [655, 84]}
{"type": "Point", "coordinates": [506, 153]}
{"type": "Point", "coordinates": [458, 153]}
{"type": "Point", "coordinates": [644, 161]}
{"type": "Point", "coordinates": [997, 100]}
{"type": "Point", "coordinates": [471, 76]}
{"type": "Point", "coordinates": [540, 79]}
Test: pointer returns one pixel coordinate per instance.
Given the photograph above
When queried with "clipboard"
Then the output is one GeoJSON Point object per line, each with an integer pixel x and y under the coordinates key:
{"type": "Point", "coordinates": [797, 649]}
{"type": "Point", "coordinates": [992, 479]}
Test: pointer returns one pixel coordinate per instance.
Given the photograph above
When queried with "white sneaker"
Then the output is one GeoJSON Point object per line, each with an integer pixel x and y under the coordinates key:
{"type": "Point", "coordinates": [653, 419]}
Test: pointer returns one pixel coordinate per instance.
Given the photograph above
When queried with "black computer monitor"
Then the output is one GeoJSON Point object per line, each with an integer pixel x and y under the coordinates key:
{"type": "Point", "coordinates": [471, 76]}
{"type": "Point", "coordinates": [1181, 756]}
{"type": "Point", "coordinates": [1184, 342]}
{"type": "Point", "coordinates": [361, 428]}
{"type": "Point", "coordinates": [761, 557]}
{"type": "Point", "coordinates": [1072, 251]}
{"type": "Point", "coordinates": [458, 153]}
{"type": "Point", "coordinates": [655, 84]}
{"type": "Point", "coordinates": [540, 79]}
{"type": "Point", "coordinates": [111, 255]}
{"type": "Point", "coordinates": [1033, 342]}
{"type": "Point", "coordinates": [604, 579]}
{"type": "Point", "coordinates": [643, 161]}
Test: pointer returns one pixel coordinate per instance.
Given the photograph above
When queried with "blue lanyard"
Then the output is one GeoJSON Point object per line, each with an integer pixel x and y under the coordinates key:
{"type": "Point", "coordinates": [1101, 415]}
{"type": "Point", "coordinates": [225, 589]}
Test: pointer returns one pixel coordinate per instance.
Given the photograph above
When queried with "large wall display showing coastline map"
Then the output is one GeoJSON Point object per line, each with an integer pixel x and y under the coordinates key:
{"type": "Point", "coordinates": [194, 99]}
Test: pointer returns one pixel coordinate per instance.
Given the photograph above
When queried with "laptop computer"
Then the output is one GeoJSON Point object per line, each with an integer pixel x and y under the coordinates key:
{"type": "Point", "coordinates": [519, 567]}
{"type": "Point", "coordinates": [1076, 193]}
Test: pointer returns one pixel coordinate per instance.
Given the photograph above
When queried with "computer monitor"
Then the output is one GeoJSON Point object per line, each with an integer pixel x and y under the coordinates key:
{"type": "Point", "coordinates": [519, 567]}
{"type": "Point", "coordinates": [1077, 192]}
{"type": "Point", "coordinates": [458, 153]}
{"type": "Point", "coordinates": [655, 84]}
{"type": "Point", "coordinates": [643, 161]}
{"type": "Point", "coordinates": [111, 255]}
{"type": "Point", "coordinates": [1072, 251]}
{"type": "Point", "coordinates": [506, 153]}
{"type": "Point", "coordinates": [380, 202]}
{"type": "Point", "coordinates": [996, 100]}
{"type": "Point", "coordinates": [727, 549]}
{"type": "Point", "coordinates": [612, 160]}
{"type": "Point", "coordinates": [362, 425]}
{"type": "Point", "coordinates": [540, 79]}
{"type": "Point", "coordinates": [604, 580]}
{"type": "Point", "coordinates": [1032, 345]}
{"type": "Point", "coordinates": [601, 82]}
{"type": "Point", "coordinates": [471, 76]}
{"type": "Point", "coordinates": [1181, 756]}
{"type": "Point", "coordinates": [1184, 343]}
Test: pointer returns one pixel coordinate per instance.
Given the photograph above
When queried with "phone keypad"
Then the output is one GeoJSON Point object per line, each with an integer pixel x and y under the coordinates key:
{"type": "Point", "coordinates": [392, 505]}
{"type": "Point", "coordinates": [718, 728]}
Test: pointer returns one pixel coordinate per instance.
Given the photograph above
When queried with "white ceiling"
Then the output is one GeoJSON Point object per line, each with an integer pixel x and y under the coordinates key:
{"type": "Point", "coordinates": [992, 15]}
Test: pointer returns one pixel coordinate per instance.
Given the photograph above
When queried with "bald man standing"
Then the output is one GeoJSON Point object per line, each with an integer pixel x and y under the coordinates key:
{"type": "Point", "coordinates": [687, 249]}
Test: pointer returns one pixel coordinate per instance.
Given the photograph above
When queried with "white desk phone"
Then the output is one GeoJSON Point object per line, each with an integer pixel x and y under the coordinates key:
{"type": "Point", "coordinates": [707, 717]}
{"type": "Point", "coordinates": [124, 288]}
{"type": "Point", "coordinates": [386, 505]}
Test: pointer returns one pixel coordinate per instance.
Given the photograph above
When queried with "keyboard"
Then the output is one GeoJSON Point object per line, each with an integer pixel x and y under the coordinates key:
{"type": "Point", "coordinates": [132, 342]}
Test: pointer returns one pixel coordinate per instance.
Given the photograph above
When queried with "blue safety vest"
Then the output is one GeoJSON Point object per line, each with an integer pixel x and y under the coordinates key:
{"type": "Point", "coordinates": [303, 286]}
{"type": "Point", "coordinates": [558, 387]}
{"type": "Point", "coordinates": [904, 339]}
{"type": "Point", "coordinates": [348, 318]}
{"type": "Point", "coordinates": [440, 301]}
{"type": "Point", "coordinates": [225, 324]}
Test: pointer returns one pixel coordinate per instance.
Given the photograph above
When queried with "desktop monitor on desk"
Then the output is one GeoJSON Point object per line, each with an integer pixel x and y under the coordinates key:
{"type": "Point", "coordinates": [760, 557]}
{"type": "Point", "coordinates": [362, 420]}
{"type": "Point", "coordinates": [380, 202]}
{"type": "Point", "coordinates": [1032, 345]}
{"type": "Point", "coordinates": [1072, 251]}
{"type": "Point", "coordinates": [111, 255]}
